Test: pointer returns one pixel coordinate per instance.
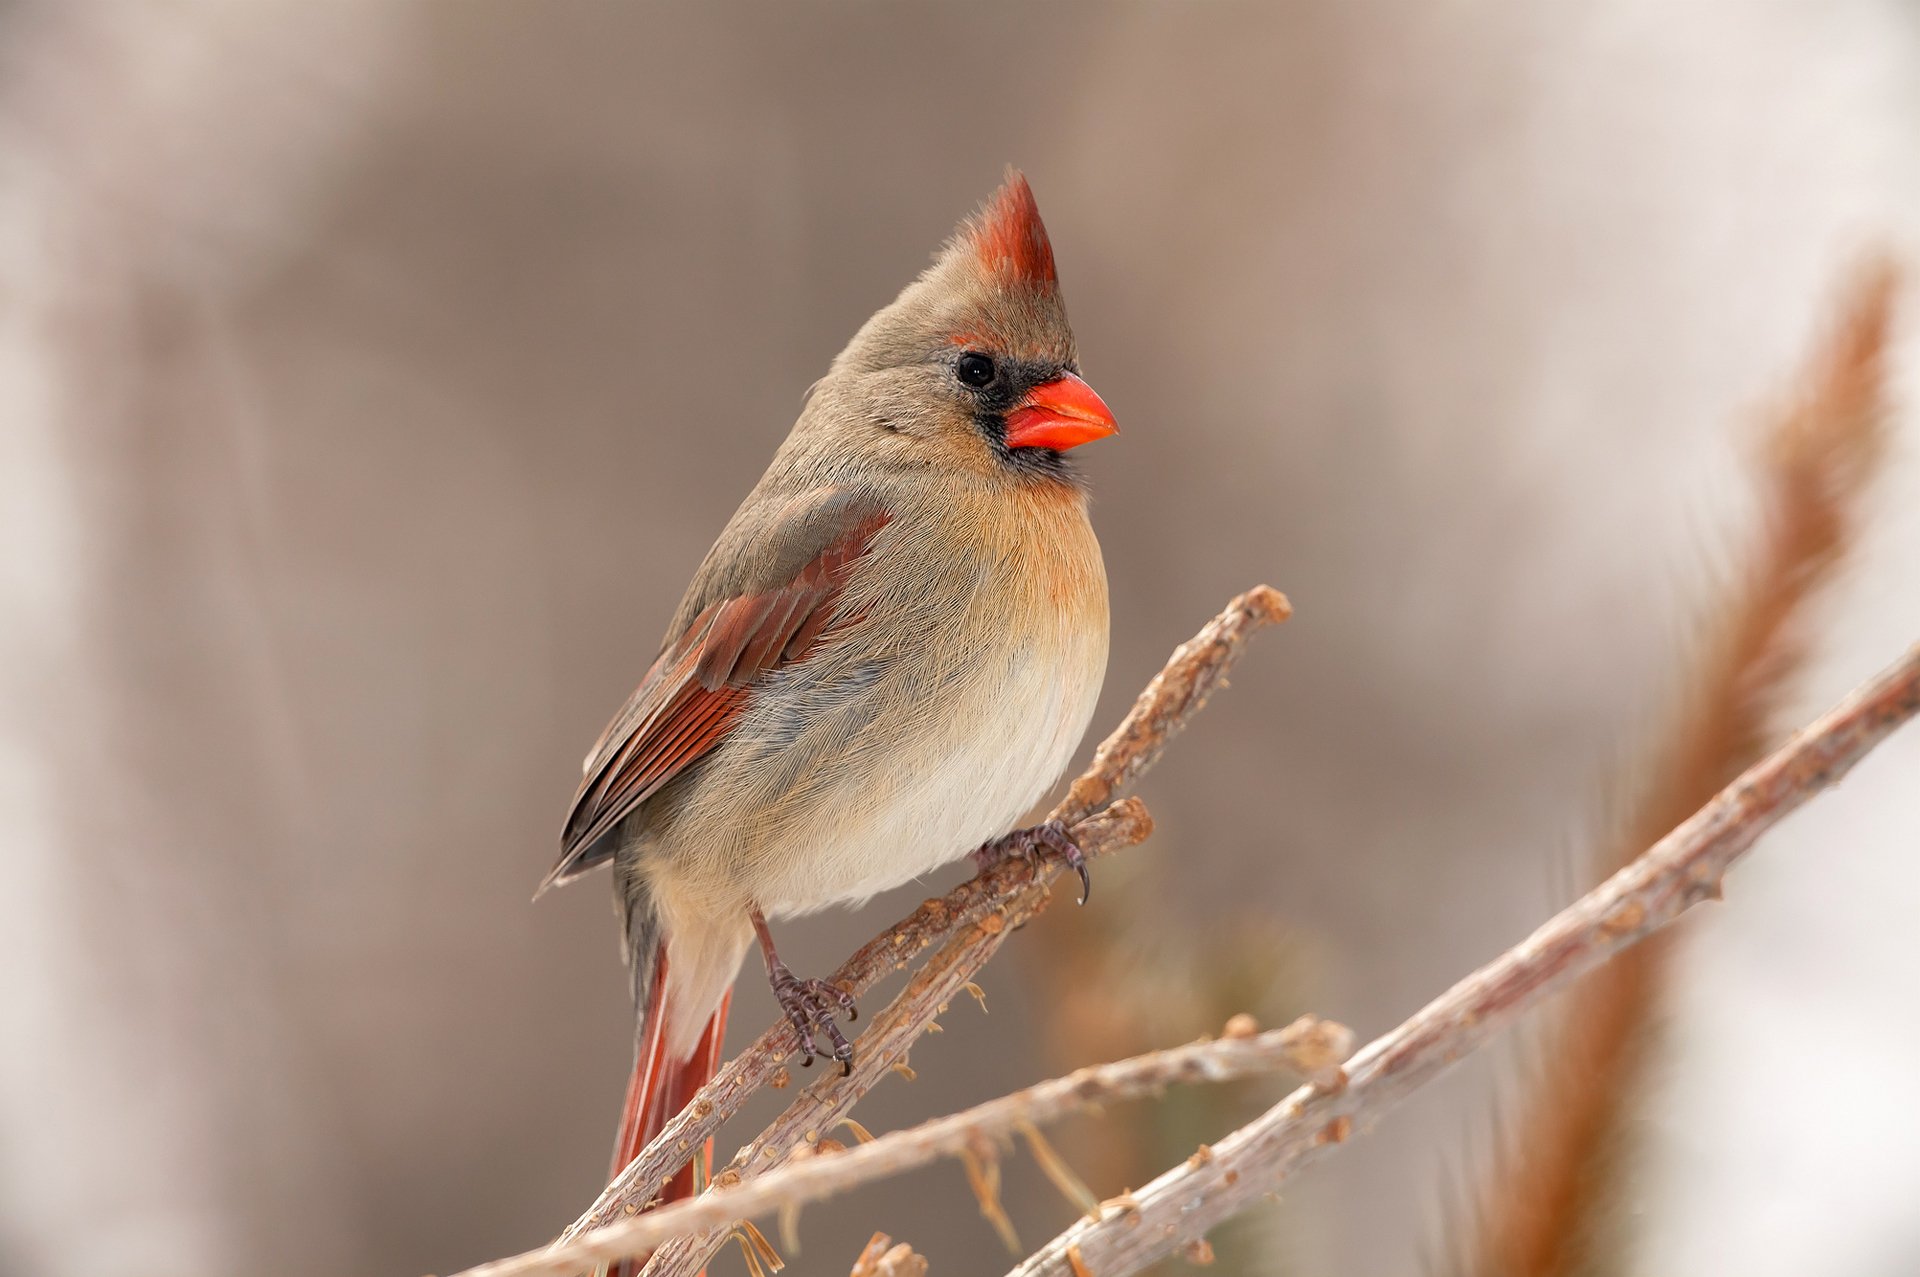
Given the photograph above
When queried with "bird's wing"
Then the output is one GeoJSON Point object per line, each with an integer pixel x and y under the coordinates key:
{"type": "Point", "coordinates": [749, 621]}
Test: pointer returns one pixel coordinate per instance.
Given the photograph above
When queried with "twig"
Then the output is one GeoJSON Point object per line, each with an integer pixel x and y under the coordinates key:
{"type": "Point", "coordinates": [882, 1258]}
{"type": "Point", "coordinates": [1008, 894]}
{"type": "Point", "coordinates": [1680, 870]}
{"type": "Point", "coordinates": [1310, 1047]}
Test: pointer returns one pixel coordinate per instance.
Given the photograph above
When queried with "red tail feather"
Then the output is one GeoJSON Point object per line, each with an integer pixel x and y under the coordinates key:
{"type": "Point", "coordinates": [660, 1088]}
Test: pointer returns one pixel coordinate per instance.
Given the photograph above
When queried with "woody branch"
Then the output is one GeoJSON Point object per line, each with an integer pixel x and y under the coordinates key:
{"type": "Point", "coordinates": [1308, 1047]}
{"type": "Point", "coordinates": [1679, 871]}
{"type": "Point", "coordinates": [1178, 1208]}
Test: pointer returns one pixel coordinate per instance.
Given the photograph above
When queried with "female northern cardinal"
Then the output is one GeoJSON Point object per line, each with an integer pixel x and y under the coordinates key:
{"type": "Point", "coordinates": [889, 655]}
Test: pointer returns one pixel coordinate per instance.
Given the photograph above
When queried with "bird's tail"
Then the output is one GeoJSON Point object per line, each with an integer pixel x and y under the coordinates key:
{"type": "Point", "coordinates": [661, 1085]}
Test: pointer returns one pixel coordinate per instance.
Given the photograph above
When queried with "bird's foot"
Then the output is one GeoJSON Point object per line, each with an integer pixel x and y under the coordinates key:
{"type": "Point", "coordinates": [1036, 844]}
{"type": "Point", "coordinates": [810, 1006]}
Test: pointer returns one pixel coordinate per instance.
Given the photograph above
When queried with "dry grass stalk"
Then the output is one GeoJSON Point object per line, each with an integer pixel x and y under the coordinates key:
{"type": "Point", "coordinates": [1542, 1211]}
{"type": "Point", "coordinates": [1680, 870]}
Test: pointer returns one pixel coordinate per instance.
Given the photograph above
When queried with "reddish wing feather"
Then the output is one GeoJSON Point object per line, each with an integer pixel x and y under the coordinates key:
{"type": "Point", "coordinates": [698, 689]}
{"type": "Point", "coordinates": [755, 633]}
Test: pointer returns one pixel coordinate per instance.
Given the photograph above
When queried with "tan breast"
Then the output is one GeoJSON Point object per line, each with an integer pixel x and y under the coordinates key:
{"type": "Point", "coordinates": [932, 726]}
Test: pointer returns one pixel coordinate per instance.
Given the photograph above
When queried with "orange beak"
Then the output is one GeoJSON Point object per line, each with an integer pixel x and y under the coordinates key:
{"type": "Point", "coordinates": [1059, 414]}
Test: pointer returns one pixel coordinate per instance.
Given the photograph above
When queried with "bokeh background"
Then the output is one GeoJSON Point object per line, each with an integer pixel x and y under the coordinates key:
{"type": "Point", "coordinates": [373, 375]}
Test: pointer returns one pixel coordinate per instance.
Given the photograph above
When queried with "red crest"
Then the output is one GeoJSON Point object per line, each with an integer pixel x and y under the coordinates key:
{"type": "Point", "coordinates": [1008, 237]}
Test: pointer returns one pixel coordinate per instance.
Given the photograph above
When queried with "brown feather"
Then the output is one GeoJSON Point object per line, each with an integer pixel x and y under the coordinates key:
{"type": "Point", "coordinates": [698, 688]}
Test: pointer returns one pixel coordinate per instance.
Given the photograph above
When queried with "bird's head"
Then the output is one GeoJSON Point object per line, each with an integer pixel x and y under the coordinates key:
{"type": "Point", "coordinates": [973, 366]}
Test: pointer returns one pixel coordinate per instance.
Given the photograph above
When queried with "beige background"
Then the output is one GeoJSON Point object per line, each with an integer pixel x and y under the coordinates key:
{"type": "Point", "coordinates": [374, 375]}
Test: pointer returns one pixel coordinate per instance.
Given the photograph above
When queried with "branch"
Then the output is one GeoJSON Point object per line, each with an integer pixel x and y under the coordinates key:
{"type": "Point", "coordinates": [1310, 1047]}
{"type": "Point", "coordinates": [1680, 870]}
{"type": "Point", "coordinates": [979, 911]}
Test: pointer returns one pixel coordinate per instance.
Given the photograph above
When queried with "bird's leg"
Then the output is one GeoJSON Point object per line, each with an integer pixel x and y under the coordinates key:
{"type": "Point", "coordinates": [809, 1004]}
{"type": "Point", "coordinates": [1035, 844]}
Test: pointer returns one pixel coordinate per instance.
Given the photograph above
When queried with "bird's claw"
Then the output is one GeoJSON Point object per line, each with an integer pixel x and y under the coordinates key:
{"type": "Point", "coordinates": [810, 1006]}
{"type": "Point", "coordinates": [1033, 844]}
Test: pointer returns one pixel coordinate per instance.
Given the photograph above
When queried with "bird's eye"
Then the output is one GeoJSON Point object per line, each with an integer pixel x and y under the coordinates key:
{"type": "Point", "coordinates": [975, 369]}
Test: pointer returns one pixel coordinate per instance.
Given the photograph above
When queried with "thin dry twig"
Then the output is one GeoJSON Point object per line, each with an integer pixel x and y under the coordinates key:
{"type": "Point", "coordinates": [882, 1258]}
{"type": "Point", "coordinates": [1309, 1047]}
{"type": "Point", "coordinates": [973, 918]}
{"type": "Point", "coordinates": [1680, 870]}
{"type": "Point", "coordinates": [1541, 1209]}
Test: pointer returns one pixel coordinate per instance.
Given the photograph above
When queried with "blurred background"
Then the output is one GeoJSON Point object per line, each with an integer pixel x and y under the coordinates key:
{"type": "Point", "coordinates": [375, 374]}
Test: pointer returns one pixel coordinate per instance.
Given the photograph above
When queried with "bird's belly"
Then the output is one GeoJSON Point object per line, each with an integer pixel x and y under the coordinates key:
{"type": "Point", "coordinates": [1003, 744]}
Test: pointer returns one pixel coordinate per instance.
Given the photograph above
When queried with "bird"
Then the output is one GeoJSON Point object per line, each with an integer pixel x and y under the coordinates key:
{"type": "Point", "coordinates": [889, 655]}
